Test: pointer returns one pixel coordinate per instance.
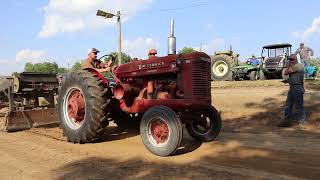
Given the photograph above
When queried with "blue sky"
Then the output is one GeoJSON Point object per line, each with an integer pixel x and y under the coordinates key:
{"type": "Point", "coordinates": [63, 30]}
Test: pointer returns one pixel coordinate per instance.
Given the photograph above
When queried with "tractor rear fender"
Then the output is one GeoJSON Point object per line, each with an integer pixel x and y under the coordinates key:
{"type": "Point", "coordinates": [99, 75]}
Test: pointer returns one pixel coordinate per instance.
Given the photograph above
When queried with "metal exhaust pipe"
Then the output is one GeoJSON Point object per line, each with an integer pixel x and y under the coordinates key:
{"type": "Point", "coordinates": [171, 39]}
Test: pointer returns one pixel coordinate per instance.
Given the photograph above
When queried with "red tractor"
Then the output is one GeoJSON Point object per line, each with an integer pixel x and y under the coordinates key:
{"type": "Point", "coordinates": [165, 92]}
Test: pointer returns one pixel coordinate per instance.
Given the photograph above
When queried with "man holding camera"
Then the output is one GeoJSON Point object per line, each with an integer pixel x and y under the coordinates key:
{"type": "Point", "coordinates": [295, 93]}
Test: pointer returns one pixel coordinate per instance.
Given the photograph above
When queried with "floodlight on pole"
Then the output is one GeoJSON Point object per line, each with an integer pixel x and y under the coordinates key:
{"type": "Point", "coordinates": [110, 15]}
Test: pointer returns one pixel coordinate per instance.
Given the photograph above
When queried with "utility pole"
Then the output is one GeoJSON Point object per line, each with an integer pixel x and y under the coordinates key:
{"type": "Point", "coordinates": [119, 38]}
{"type": "Point", "coordinates": [118, 15]}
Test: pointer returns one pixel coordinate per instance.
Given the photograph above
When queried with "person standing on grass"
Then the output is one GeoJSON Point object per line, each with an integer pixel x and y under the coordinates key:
{"type": "Point", "coordinates": [295, 93]}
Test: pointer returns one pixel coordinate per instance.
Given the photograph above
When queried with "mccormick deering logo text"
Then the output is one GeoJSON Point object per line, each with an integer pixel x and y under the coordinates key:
{"type": "Point", "coordinates": [151, 65]}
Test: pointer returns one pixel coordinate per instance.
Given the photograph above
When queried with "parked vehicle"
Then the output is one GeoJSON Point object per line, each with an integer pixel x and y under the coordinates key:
{"type": "Point", "coordinates": [246, 71]}
{"type": "Point", "coordinates": [274, 60]}
{"type": "Point", "coordinates": [222, 63]}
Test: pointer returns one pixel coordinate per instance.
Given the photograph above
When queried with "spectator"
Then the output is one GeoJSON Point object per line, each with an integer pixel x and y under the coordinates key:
{"type": "Point", "coordinates": [295, 93]}
{"type": "Point", "coordinates": [305, 53]}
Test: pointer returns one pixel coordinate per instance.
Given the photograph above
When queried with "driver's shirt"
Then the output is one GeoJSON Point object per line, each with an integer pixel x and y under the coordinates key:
{"type": "Point", "coordinates": [255, 62]}
{"type": "Point", "coordinates": [92, 64]}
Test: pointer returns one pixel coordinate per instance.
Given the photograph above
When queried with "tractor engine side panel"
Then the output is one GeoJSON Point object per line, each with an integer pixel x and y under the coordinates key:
{"type": "Point", "coordinates": [197, 80]}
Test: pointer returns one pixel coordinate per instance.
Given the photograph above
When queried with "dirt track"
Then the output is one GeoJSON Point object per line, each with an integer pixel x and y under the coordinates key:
{"type": "Point", "coordinates": [249, 146]}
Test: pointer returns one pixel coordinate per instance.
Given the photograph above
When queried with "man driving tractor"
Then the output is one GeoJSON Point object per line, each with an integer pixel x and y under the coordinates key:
{"type": "Point", "coordinates": [93, 63]}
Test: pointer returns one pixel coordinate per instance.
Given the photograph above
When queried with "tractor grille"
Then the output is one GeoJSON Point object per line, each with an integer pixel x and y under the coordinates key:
{"type": "Point", "coordinates": [201, 78]}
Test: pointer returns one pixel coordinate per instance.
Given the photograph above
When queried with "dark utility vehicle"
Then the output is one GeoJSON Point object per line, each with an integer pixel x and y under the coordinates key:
{"type": "Point", "coordinates": [274, 60]}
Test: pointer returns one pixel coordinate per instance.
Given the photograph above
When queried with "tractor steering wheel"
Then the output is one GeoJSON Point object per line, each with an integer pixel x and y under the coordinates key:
{"type": "Point", "coordinates": [106, 58]}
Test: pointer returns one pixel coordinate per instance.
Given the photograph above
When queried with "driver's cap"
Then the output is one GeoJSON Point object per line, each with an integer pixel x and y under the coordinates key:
{"type": "Point", "coordinates": [93, 50]}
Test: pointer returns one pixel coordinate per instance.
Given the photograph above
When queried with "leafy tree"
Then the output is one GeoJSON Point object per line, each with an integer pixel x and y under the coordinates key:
{"type": "Point", "coordinates": [186, 50]}
{"type": "Point", "coordinates": [315, 62]}
{"type": "Point", "coordinates": [28, 67]}
{"type": "Point", "coordinates": [62, 70]}
{"type": "Point", "coordinates": [76, 66]}
{"type": "Point", "coordinates": [124, 59]}
{"type": "Point", "coordinates": [45, 67]}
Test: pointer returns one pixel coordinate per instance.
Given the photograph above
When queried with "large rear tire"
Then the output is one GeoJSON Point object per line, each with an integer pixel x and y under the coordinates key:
{"type": "Point", "coordinates": [82, 105]}
{"type": "Point", "coordinates": [220, 67]}
{"type": "Point", "coordinates": [161, 131]}
{"type": "Point", "coordinates": [206, 127]}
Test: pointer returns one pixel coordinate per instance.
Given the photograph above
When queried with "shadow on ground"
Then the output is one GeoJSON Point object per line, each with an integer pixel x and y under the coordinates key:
{"type": "Point", "coordinates": [271, 111]}
{"type": "Point", "coordinates": [223, 161]}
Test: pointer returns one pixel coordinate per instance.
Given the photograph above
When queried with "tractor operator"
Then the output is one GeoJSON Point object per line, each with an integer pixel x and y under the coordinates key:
{"type": "Point", "coordinates": [158, 89]}
{"type": "Point", "coordinates": [92, 62]}
{"type": "Point", "coordinates": [305, 53]}
{"type": "Point", "coordinates": [295, 93]}
{"type": "Point", "coordinates": [152, 53]}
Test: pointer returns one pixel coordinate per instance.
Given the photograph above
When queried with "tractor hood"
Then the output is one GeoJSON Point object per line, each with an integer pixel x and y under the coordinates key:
{"type": "Point", "coordinates": [157, 65]}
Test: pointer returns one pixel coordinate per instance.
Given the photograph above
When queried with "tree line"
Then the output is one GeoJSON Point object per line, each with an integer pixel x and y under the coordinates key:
{"type": "Point", "coordinates": [53, 67]}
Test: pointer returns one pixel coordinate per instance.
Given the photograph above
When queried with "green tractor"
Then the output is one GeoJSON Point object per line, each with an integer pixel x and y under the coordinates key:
{"type": "Point", "coordinates": [247, 71]}
{"type": "Point", "coordinates": [222, 63]}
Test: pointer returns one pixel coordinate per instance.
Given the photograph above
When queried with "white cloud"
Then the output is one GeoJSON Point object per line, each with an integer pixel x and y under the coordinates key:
{"type": "Point", "coordinates": [139, 47]}
{"type": "Point", "coordinates": [214, 45]}
{"type": "Point", "coordinates": [310, 31]}
{"type": "Point", "coordinates": [7, 67]}
{"type": "Point", "coordinates": [66, 16]}
{"type": "Point", "coordinates": [27, 55]}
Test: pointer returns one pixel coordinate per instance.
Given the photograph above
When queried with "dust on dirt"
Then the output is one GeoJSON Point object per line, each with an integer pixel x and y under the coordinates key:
{"type": "Point", "coordinates": [250, 146]}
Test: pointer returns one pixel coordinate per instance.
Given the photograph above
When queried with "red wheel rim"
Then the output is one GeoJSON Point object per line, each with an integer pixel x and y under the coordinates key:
{"type": "Point", "coordinates": [75, 103]}
{"type": "Point", "coordinates": [159, 131]}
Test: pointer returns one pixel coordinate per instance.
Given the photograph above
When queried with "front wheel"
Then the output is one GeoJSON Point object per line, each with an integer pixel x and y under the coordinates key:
{"type": "Point", "coordinates": [206, 126]}
{"type": "Point", "coordinates": [161, 131]}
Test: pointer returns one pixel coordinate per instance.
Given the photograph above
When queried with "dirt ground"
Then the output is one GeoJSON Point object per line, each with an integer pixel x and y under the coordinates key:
{"type": "Point", "coordinates": [250, 146]}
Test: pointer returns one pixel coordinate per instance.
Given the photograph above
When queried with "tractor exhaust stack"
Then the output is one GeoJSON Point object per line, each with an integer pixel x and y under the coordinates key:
{"type": "Point", "coordinates": [171, 39]}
